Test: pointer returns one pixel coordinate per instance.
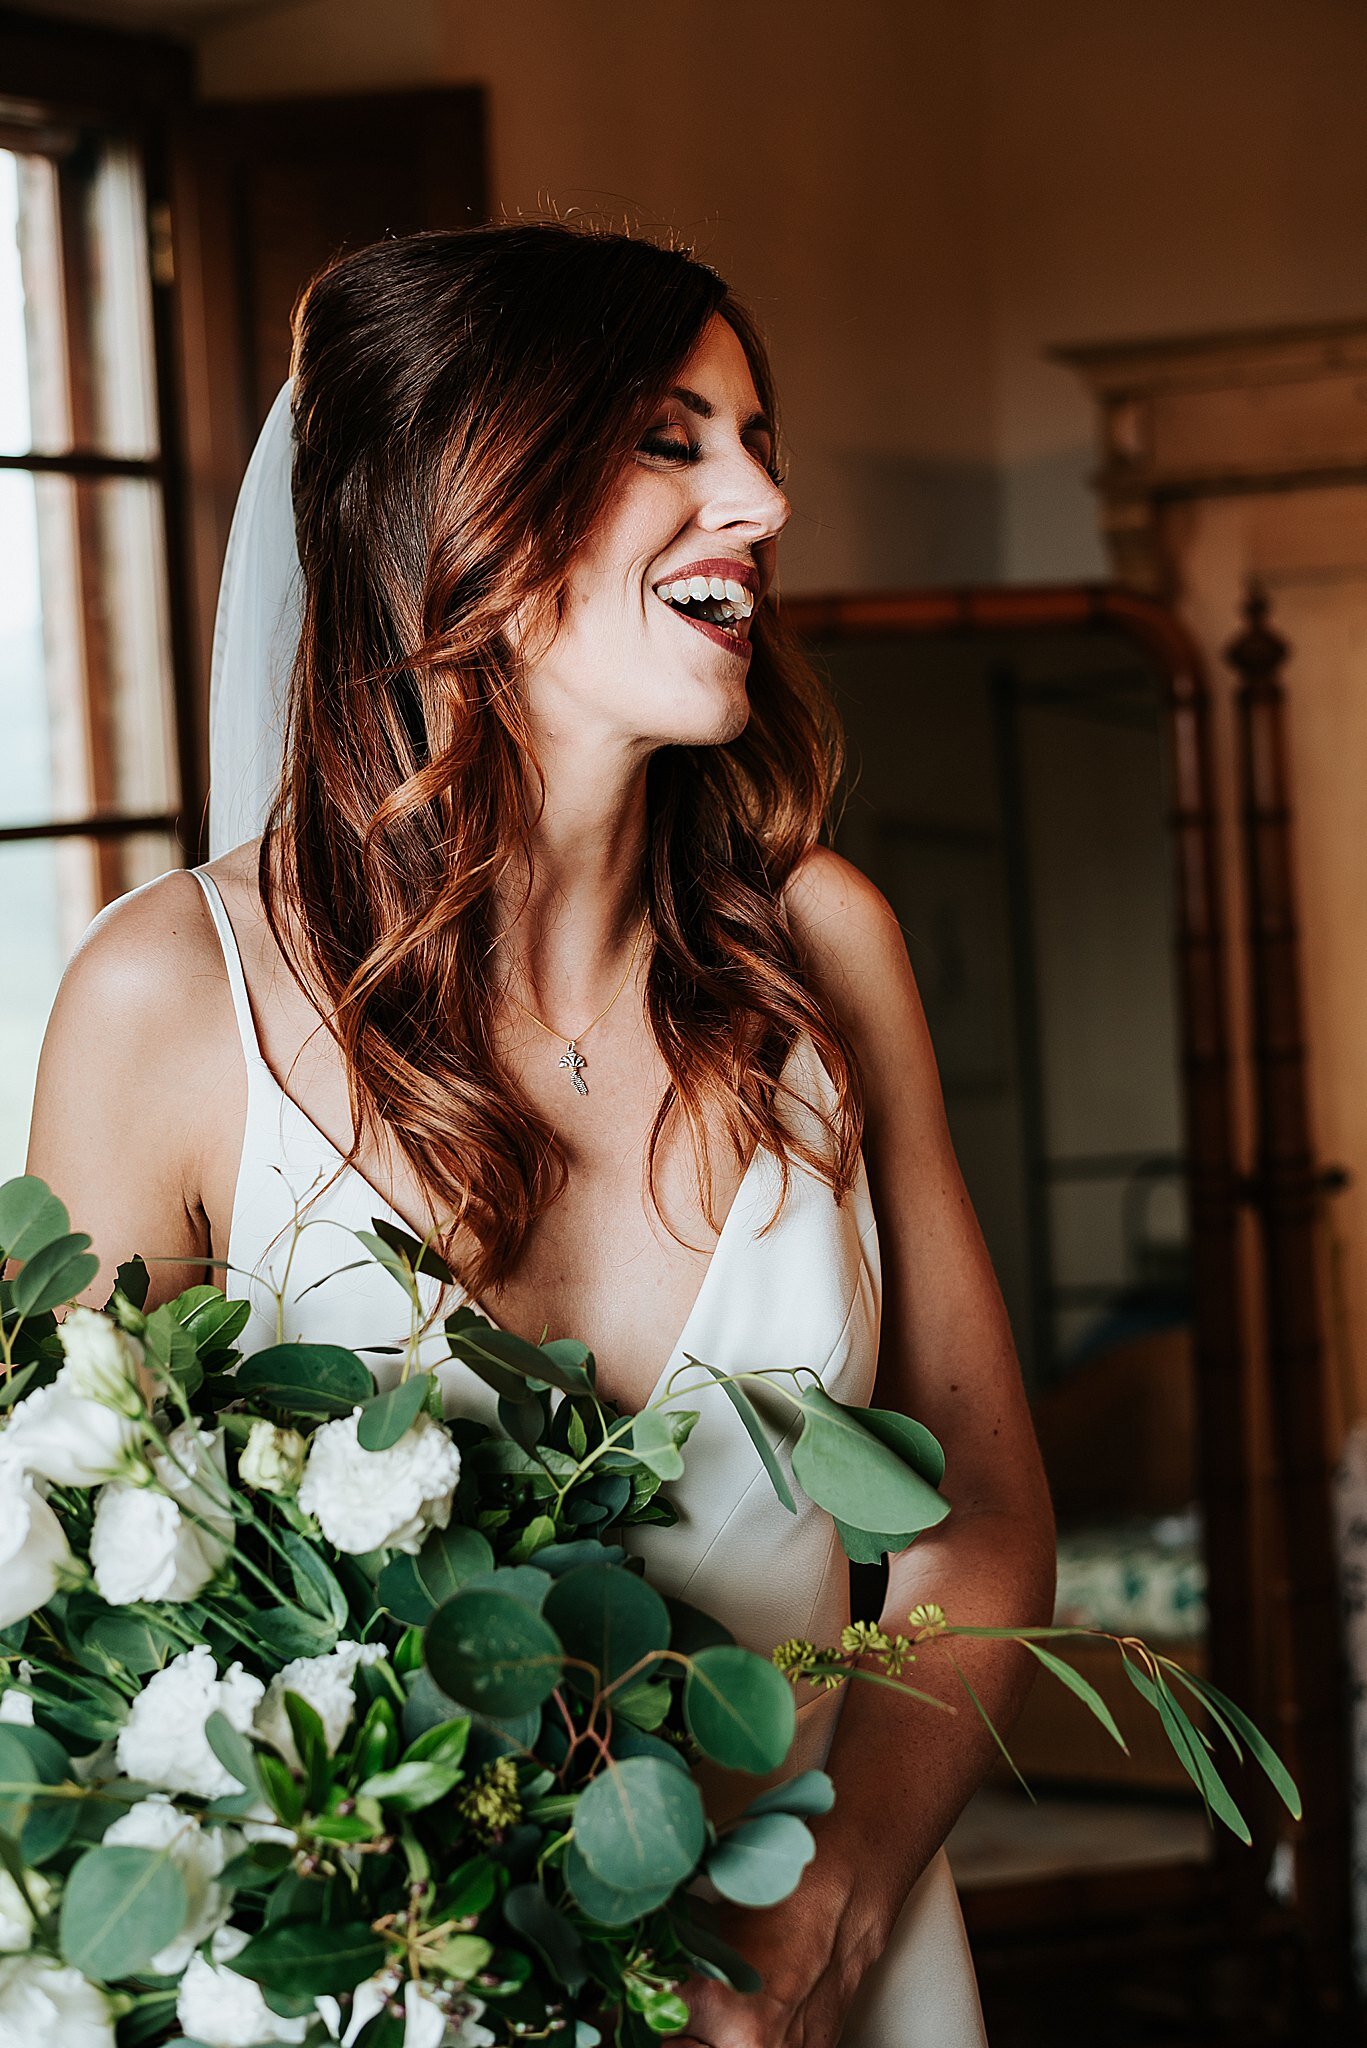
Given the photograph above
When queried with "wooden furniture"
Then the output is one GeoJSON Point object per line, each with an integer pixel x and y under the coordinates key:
{"type": "Point", "coordinates": [1250, 1965]}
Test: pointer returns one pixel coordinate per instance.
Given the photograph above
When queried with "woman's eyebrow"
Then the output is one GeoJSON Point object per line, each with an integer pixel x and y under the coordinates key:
{"type": "Point", "coordinates": [705, 410]}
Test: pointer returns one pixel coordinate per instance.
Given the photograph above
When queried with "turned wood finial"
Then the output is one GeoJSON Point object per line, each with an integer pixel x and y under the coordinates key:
{"type": "Point", "coordinates": [1257, 652]}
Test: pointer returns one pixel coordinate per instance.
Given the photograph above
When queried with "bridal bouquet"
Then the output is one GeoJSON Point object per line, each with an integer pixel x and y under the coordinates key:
{"type": "Point", "coordinates": [326, 1718]}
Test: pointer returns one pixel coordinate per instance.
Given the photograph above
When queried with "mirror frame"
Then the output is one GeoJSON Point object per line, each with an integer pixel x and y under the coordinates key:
{"type": "Point", "coordinates": [1226, 1389]}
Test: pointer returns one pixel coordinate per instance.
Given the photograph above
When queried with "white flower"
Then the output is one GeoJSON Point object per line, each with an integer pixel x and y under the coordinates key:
{"type": "Point", "coordinates": [14, 1704]}
{"type": "Point", "coordinates": [16, 1921]}
{"type": "Point", "coordinates": [102, 1361]}
{"type": "Point", "coordinates": [43, 2000]}
{"type": "Point", "coordinates": [380, 1500]}
{"type": "Point", "coordinates": [60, 1434]}
{"type": "Point", "coordinates": [222, 2010]}
{"type": "Point", "coordinates": [199, 1854]}
{"type": "Point", "coordinates": [34, 1551]}
{"type": "Point", "coordinates": [163, 1740]}
{"type": "Point", "coordinates": [272, 1459]}
{"type": "Point", "coordinates": [142, 1547]}
{"type": "Point", "coordinates": [428, 2023]}
{"type": "Point", "coordinates": [326, 1684]}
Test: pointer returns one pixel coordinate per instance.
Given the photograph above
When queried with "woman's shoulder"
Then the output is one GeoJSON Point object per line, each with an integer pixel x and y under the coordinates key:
{"type": "Point", "coordinates": [847, 935]}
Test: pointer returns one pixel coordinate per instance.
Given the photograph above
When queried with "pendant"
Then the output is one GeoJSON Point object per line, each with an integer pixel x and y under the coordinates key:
{"type": "Point", "coordinates": [575, 1061]}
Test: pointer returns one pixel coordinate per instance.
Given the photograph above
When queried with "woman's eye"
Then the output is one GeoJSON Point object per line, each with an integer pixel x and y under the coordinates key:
{"type": "Point", "coordinates": [674, 447]}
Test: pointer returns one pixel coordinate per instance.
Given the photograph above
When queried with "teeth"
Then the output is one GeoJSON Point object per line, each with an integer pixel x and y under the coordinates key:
{"type": "Point", "coordinates": [732, 599]}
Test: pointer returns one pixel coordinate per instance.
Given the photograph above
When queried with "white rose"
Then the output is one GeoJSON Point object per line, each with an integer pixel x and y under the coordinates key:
{"type": "Point", "coordinates": [142, 1547]}
{"type": "Point", "coordinates": [219, 2009]}
{"type": "Point", "coordinates": [43, 2000]}
{"type": "Point", "coordinates": [34, 1551]}
{"type": "Point", "coordinates": [326, 1684]}
{"type": "Point", "coordinates": [62, 1435]}
{"type": "Point", "coordinates": [199, 1854]}
{"type": "Point", "coordinates": [102, 1361]}
{"type": "Point", "coordinates": [272, 1459]}
{"type": "Point", "coordinates": [163, 1741]}
{"type": "Point", "coordinates": [16, 1921]}
{"type": "Point", "coordinates": [380, 1500]}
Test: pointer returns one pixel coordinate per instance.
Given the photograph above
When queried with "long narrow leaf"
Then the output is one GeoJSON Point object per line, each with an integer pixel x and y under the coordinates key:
{"type": "Point", "coordinates": [1193, 1686]}
{"type": "Point", "coordinates": [991, 1729]}
{"type": "Point", "coordinates": [1076, 1683]}
{"type": "Point", "coordinates": [1190, 1749]}
{"type": "Point", "coordinates": [1259, 1747]}
{"type": "Point", "coordinates": [755, 1430]}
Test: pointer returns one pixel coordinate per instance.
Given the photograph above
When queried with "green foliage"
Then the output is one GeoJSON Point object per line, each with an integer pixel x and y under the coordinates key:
{"type": "Point", "coordinates": [740, 1710]}
{"type": "Point", "coordinates": [315, 1381]}
{"type": "Point", "coordinates": [120, 1907]}
{"type": "Point", "coordinates": [492, 1653]}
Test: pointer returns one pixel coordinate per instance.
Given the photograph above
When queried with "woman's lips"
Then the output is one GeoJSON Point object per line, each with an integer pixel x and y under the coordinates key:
{"type": "Point", "coordinates": [732, 642]}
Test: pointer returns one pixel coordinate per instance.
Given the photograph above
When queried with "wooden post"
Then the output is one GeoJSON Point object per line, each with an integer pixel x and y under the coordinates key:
{"type": "Point", "coordinates": [1288, 1189]}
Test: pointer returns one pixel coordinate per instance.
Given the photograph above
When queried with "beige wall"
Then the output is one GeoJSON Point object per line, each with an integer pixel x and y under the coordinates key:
{"type": "Point", "coordinates": [919, 196]}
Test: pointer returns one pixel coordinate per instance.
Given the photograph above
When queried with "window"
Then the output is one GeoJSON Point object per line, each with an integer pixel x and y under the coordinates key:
{"type": "Point", "coordinates": [90, 778]}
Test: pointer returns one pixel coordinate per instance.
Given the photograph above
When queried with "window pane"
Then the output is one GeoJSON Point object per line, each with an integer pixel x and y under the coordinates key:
{"type": "Point", "coordinates": [75, 301]}
{"type": "Point", "coordinates": [48, 893]}
{"type": "Point", "coordinates": [84, 649]}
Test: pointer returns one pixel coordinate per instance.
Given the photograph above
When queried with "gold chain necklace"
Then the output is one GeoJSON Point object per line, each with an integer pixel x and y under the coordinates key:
{"type": "Point", "coordinates": [571, 1058]}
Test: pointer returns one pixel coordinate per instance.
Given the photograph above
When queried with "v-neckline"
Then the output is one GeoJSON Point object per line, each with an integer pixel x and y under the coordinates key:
{"type": "Point", "coordinates": [467, 1299]}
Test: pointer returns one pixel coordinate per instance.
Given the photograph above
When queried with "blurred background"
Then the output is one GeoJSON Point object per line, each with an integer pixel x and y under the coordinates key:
{"type": "Point", "coordinates": [1068, 305]}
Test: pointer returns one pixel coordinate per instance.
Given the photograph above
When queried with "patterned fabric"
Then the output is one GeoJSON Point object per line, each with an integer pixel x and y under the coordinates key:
{"type": "Point", "coordinates": [1140, 1577]}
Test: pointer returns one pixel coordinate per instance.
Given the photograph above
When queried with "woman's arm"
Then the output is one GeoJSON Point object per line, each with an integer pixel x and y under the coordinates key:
{"type": "Point", "coordinates": [903, 1771]}
{"type": "Point", "coordinates": [135, 1084]}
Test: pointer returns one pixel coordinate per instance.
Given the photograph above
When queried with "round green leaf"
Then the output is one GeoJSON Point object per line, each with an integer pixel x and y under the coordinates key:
{"type": "Point", "coordinates": [31, 1216]}
{"type": "Point", "coordinates": [652, 1441]}
{"type": "Point", "coordinates": [29, 1759]}
{"type": "Point", "coordinates": [412, 1587]}
{"type": "Point", "coordinates": [603, 1902]}
{"type": "Point", "coordinates": [611, 1618]}
{"type": "Point", "coordinates": [761, 1861]}
{"type": "Point", "coordinates": [385, 1417]}
{"type": "Point", "coordinates": [911, 1440]}
{"type": "Point", "coordinates": [808, 1792]}
{"type": "Point", "coordinates": [640, 1825]}
{"type": "Point", "coordinates": [854, 1474]}
{"type": "Point", "coordinates": [308, 1379]}
{"type": "Point", "coordinates": [121, 1906]}
{"type": "Point", "coordinates": [739, 1709]}
{"type": "Point", "coordinates": [492, 1653]}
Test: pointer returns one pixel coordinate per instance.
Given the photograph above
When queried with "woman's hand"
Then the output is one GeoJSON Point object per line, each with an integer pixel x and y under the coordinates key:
{"type": "Point", "coordinates": [811, 1951]}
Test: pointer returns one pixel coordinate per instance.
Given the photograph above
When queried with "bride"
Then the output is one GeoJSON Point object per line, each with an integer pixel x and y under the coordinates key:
{"type": "Point", "coordinates": [539, 951]}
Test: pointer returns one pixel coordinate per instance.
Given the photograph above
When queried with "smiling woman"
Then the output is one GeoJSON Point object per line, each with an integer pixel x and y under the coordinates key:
{"type": "Point", "coordinates": [551, 754]}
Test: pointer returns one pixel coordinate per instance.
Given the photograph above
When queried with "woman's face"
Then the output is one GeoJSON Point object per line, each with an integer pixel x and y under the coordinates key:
{"type": "Point", "coordinates": [653, 644]}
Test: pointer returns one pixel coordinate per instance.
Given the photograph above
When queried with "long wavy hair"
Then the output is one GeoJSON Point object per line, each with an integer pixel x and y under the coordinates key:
{"type": "Point", "coordinates": [464, 404]}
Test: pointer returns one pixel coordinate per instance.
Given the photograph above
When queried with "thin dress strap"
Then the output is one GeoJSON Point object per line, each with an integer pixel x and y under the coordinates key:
{"type": "Point", "coordinates": [232, 960]}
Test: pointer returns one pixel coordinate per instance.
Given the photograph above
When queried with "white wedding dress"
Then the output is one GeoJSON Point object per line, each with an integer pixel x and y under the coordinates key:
{"type": "Point", "coordinates": [807, 1293]}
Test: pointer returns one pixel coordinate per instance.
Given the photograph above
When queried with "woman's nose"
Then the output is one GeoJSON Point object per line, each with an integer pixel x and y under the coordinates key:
{"type": "Point", "coordinates": [746, 500]}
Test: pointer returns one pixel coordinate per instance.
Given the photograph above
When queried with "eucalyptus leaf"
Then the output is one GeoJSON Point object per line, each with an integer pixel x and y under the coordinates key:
{"type": "Point", "coordinates": [492, 1653]}
{"type": "Point", "coordinates": [413, 1784]}
{"type": "Point", "coordinates": [739, 1709]}
{"type": "Point", "coordinates": [755, 1429]}
{"type": "Point", "coordinates": [385, 1417]}
{"type": "Point", "coordinates": [423, 1258]}
{"type": "Point", "coordinates": [640, 1825]}
{"type": "Point", "coordinates": [320, 1380]}
{"type": "Point", "coordinates": [611, 1619]}
{"type": "Point", "coordinates": [761, 1861]}
{"type": "Point", "coordinates": [120, 1907]}
{"type": "Point", "coordinates": [652, 1441]}
{"type": "Point", "coordinates": [1076, 1683]}
{"type": "Point", "coordinates": [31, 1217]}
{"type": "Point", "coordinates": [604, 1902]}
{"type": "Point", "coordinates": [808, 1793]}
{"type": "Point", "coordinates": [412, 1588]}
{"type": "Point", "coordinates": [853, 1473]}
{"type": "Point", "coordinates": [54, 1273]}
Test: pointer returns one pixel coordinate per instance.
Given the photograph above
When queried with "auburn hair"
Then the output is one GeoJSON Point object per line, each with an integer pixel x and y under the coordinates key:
{"type": "Point", "coordinates": [464, 403]}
